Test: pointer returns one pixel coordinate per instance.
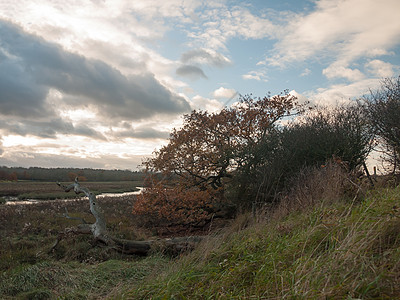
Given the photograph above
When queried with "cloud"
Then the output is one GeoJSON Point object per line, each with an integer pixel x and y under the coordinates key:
{"type": "Point", "coordinates": [224, 93]}
{"type": "Point", "coordinates": [306, 72]}
{"type": "Point", "coordinates": [218, 26]}
{"type": "Point", "coordinates": [205, 56]}
{"type": "Point", "coordinates": [192, 72]}
{"type": "Point", "coordinates": [15, 157]}
{"type": "Point", "coordinates": [300, 98]}
{"type": "Point", "coordinates": [344, 30]}
{"type": "Point", "coordinates": [255, 75]}
{"type": "Point", "coordinates": [47, 128]}
{"type": "Point", "coordinates": [20, 94]}
{"type": "Point", "coordinates": [93, 82]}
{"type": "Point", "coordinates": [202, 103]}
{"type": "Point", "coordinates": [337, 70]}
{"type": "Point", "coordinates": [342, 93]}
{"type": "Point", "coordinates": [141, 132]}
{"type": "Point", "coordinates": [380, 68]}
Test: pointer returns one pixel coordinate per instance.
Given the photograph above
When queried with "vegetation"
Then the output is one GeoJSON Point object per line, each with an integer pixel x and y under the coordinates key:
{"type": "Point", "coordinates": [333, 248]}
{"type": "Point", "coordinates": [320, 231]}
{"type": "Point", "coordinates": [328, 238]}
{"type": "Point", "coordinates": [246, 155]}
{"type": "Point", "coordinates": [382, 107]}
{"type": "Point", "coordinates": [67, 174]}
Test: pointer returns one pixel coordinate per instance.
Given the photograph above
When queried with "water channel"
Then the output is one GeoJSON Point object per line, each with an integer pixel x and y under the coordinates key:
{"type": "Point", "coordinates": [14, 200]}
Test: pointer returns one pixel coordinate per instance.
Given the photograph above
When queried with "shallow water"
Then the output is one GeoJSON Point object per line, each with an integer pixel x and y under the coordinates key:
{"type": "Point", "coordinates": [15, 201]}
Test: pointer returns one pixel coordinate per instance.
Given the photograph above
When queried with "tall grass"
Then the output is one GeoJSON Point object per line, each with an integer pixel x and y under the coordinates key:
{"type": "Point", "coordinates": [329, 238]}
{"type": "Point", "coordinates": [313, 247]}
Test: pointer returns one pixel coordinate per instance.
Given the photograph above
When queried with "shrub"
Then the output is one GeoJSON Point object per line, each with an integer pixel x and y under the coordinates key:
{"type": "Point", "coordinates": [161, 204]}
{"type": "Point", "coordinates": [383, 109]}
{"type": "Point", "coordinates": [341, 133]}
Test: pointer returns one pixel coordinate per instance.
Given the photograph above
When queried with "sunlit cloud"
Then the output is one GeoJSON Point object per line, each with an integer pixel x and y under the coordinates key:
{"type": "Point", "coordinates": [102, 83]}
{"type": "Point", "coordinates": [224, 93]}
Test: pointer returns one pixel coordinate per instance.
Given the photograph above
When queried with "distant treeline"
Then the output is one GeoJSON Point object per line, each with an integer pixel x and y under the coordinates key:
{"type": "Point", "coordinates": [67, 174]}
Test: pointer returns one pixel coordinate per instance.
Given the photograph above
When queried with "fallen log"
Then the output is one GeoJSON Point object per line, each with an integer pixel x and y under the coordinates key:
{"type": "Point", "coordinates": [101, 235]}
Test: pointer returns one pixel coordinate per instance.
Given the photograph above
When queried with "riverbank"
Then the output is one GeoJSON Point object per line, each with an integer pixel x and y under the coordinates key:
{"type": "Point", "coordinates": [34, 190]}
{"type": "Point", "coordinates": [338, 248]}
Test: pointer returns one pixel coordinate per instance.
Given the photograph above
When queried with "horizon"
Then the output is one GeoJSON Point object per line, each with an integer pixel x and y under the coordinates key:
{"type": "Point", "coordinates": [101, 84]}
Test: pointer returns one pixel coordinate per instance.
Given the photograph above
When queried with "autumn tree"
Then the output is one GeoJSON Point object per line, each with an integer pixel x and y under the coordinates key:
{"type": "Point", "coordinates": [211, 149]}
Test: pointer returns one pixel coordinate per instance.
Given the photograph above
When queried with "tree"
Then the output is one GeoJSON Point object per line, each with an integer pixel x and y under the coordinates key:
{"type": "Point", "coordinates": [383, 109]}
{"type": "Point", "coordinates": [341, 132]}
{"type": "Point", "coordinates": [313, 139]}
{"type": "Point", "coordinates": [213, 147]}
{"type": "Point", "coordinates": [100, 233]}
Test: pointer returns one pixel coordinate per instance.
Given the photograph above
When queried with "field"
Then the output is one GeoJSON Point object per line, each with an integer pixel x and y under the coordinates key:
{"type": "Point", "coordinates": [50, 190]}
{"type": "Point", "coordinates": [327, 246]}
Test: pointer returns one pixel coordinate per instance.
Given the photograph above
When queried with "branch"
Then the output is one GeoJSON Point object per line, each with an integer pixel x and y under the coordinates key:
{"type": "Point", "coordinates": [100, 233]}
{"type": "Point", "coordinates": [67, 216]}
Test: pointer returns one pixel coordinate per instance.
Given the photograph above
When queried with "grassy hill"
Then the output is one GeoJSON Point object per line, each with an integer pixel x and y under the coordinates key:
{"type": "Point", "coordinates": [340, 250]}
{"type": "Point", "coordinates": [334, 247]}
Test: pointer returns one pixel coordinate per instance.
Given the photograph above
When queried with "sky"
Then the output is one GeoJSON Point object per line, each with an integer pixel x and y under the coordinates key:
{"type": "Point", "coordinates": [100, 84]}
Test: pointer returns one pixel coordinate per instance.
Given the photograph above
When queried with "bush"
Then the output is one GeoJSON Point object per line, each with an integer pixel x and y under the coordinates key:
{"type": "Point", "coordinates": [383, 109]}
{"type": "Point", "coordinates": [342, 134]}
{"type": "Point", "coordinates": [179, 204]}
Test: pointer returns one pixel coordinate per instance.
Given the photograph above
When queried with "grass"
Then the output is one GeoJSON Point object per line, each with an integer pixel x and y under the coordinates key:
{"type": "Point", "coordinates": [328, 243]}
{"type": "Point", "coordinates": [73, 280]}
{"type": "Point", "coordinates": [334, 251]}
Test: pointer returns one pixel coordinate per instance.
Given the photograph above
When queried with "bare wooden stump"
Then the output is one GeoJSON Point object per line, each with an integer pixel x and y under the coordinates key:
{"type": "Point", "coordinates": [100, 233]}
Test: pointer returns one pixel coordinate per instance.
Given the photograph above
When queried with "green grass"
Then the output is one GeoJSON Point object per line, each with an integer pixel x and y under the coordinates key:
{"type": "Point", "coordinates": [73, 280]}
{"type": "Point", "coordinates": [336, 251]}
{"type": "Point", "coordinates": [334, 248]}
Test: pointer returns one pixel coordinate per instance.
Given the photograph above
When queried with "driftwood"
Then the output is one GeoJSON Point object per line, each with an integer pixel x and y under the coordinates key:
{"type": "Point", "coordinates": [101, 235]}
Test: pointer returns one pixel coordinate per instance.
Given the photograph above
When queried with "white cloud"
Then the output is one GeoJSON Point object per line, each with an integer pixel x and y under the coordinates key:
{"type": "Point", "coordinates": [202, 103]}
{"type": "Point", "coordinates": [221, 25]}
{"type": "Point", "coordinates": [301, 99]}
{"type": "Point", "coordinates": [344, 30]}
{"type": "Point", "coordinates": [342, 93]}
{"type": "Point", "coordinates": [379, 68]}
{"type": "Point", "coordinates": [255, 75]}
{"type": "Point", "coordinates": [338, 70]}
{"type": "Point", "coordinates": [224, 93]}
{"type": "Point", "coordinates": [306, 72]}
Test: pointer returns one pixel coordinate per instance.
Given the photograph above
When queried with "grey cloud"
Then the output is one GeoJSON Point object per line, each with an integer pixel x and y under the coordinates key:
{"type": "Point", "coordinates": [39, 65]}
{"type": "Point", "coordinates": [32, 159]}
{"type": "Point", "coordinates": [48, 128]}
{"type": "Point", "coordinates": [203, 56]}
{"type": "Point", "coordinates": [20, 95]}
{"type": "Point", "coordinates": [190, 71]}
{"type": "Point", "coordinates": [143, 133]}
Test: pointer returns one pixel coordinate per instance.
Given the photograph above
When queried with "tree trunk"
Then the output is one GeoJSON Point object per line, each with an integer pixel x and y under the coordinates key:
{"type": "Point", "coordinates": [100, 233]}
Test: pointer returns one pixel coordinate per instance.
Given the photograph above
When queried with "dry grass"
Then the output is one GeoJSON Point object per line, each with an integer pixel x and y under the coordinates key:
{"type": "Point", "coordinates": [50, 190]}
{"type": "Point", "coordinates": [332, 240]}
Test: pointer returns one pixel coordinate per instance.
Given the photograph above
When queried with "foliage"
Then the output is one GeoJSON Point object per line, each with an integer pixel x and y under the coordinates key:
{"type": "Point", "coordinates": [211, 149]}
{"type": "Point", "coordinates": [341, 132]}
{"type": "Point", "coordinates": [383, 109]}
{"type": "Point", "coordinates": [210, 145]}
{"type": "Point", "coordinates": [330, 250]}
{"type": "Point", "coordinates": [177, 204]}
{"type": "Point", "coordinates": [322, 242]}
{"type": "Point", "coordinates": [313, 139]}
